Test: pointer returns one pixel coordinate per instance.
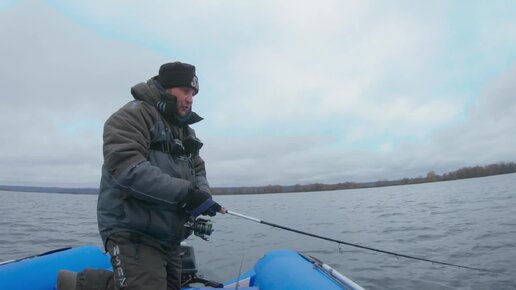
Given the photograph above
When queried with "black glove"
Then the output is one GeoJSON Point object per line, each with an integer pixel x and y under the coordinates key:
{"type": "Point", "coordinates": [213, 210]}
{"type": "Point", "coordinates": [200, 202]}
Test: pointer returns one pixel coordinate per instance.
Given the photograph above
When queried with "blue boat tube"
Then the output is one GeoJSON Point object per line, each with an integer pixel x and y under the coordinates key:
{"type": "Point", "coordinates": [289, 270]}
{"type": "Point", "coordinates": [277, 270]}
{"type": "Point", "coordinates": [40, 272]}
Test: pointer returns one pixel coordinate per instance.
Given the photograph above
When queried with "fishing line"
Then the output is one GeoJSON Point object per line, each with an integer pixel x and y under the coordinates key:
{"type": "Point", "coordinates": [239, 272]}
{"type": "Point", "coordinates": [356, 245]}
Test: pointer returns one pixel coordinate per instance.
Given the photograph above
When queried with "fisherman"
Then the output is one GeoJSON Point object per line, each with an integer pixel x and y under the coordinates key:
{"type": "Point", "coordinates": [153, 181]}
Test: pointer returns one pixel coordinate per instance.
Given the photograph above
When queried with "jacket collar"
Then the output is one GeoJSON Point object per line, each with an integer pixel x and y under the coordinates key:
{"type": "Point", "coordinates": [151, 92]}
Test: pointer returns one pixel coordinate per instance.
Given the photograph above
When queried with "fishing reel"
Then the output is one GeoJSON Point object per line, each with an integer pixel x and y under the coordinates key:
{"type": "Point", "coordinates": [200, 227]}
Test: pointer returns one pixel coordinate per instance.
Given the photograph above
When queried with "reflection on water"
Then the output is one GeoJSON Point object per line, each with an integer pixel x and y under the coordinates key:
{"type": "Point", "coordinates": [469, 222]}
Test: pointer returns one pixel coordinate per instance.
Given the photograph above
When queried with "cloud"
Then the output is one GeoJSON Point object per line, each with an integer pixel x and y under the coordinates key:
{"type": "Point", "coordinates": [321, 92]}
{"type": "Point", "coordinates": [59, 83]}
{"type": "Point", "coordinates": [486, 134]}
{"type": "Point", "coordinates": [483, 137]}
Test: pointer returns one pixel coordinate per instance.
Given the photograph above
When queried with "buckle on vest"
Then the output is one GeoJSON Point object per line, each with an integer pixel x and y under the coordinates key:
{"type": "Point", "coordinates": [175, 147]}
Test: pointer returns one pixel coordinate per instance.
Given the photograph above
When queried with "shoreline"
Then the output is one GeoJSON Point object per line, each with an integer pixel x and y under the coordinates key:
{"type": "Point", "coordinates": [463, 173]}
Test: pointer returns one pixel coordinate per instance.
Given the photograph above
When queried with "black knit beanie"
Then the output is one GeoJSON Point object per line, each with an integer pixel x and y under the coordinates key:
{"type": "Point", "coordinates": [178, 74]}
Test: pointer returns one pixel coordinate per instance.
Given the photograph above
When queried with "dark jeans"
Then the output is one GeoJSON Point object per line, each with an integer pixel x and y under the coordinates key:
{"type": "Point", "coordinates": [138, 263]}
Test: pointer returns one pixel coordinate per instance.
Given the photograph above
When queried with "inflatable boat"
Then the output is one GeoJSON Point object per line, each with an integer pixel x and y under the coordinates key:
{"type": "Point", "coordinates": [277, 270]}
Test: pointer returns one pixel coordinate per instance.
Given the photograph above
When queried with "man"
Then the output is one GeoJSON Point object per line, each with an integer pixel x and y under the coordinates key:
{"type": "Point", "coordinates": [153, 180]}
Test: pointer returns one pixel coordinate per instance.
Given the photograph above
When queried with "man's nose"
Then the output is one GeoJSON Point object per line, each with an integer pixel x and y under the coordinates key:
{"type": "Point", "coordinates": [189, 98]}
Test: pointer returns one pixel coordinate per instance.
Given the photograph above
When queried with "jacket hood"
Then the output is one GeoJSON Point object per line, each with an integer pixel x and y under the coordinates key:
{"type": "Point", "coordinates": [147, 92]}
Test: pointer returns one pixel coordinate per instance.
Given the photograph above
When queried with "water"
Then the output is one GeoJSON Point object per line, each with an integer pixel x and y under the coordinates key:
{"type": "Point", "coordinates": [469, 222]}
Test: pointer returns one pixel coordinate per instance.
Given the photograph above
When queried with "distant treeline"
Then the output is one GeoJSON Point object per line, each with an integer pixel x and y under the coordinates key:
{"type": "Point", "coordinates": [466, 172]}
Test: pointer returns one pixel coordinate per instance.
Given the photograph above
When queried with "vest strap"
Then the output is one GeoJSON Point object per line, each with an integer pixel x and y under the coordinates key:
{"type": "Point", "coordinates": [175, 147]}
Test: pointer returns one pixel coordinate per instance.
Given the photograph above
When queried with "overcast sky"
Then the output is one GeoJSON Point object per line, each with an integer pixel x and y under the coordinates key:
{"type": "Point", "coordinates": [291, 91]}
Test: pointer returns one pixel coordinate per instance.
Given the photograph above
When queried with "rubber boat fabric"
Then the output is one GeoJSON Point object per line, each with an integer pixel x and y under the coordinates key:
{"type": "Point", "coordinates": [281, 269]}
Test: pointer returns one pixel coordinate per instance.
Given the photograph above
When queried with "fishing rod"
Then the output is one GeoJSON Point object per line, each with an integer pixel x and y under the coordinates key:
{"type": "Point", "coordinates": [355, 245]}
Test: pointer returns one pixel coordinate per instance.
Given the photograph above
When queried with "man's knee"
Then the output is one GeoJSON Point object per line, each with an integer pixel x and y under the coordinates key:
{"type": "Point", "coordinates": [95, 279]}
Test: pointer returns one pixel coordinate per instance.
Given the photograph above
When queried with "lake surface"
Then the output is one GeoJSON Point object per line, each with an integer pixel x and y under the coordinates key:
{"type": "Point", "coordinates": [469, 222]}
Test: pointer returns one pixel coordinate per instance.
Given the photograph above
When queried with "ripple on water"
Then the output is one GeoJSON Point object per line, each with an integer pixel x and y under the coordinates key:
{"type": "Point", "coordinates": [443, 212]}
{"type": "Point", "coordinates": [318, 251]}
{"type": "Point", "coordinates": [427, 237]}
{"type": "Point", "coordinates": [493, 247]}
{"type": "Point", "coordinates": [406, 229]}
{"type": "Point", "coordinates": [366, 269]}
{"type": "Point", "coordinates": [391, 214]}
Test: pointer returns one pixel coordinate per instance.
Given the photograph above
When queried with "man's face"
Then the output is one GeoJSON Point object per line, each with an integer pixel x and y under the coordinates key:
{"type": "Point", "coordinates": [184, 96]}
